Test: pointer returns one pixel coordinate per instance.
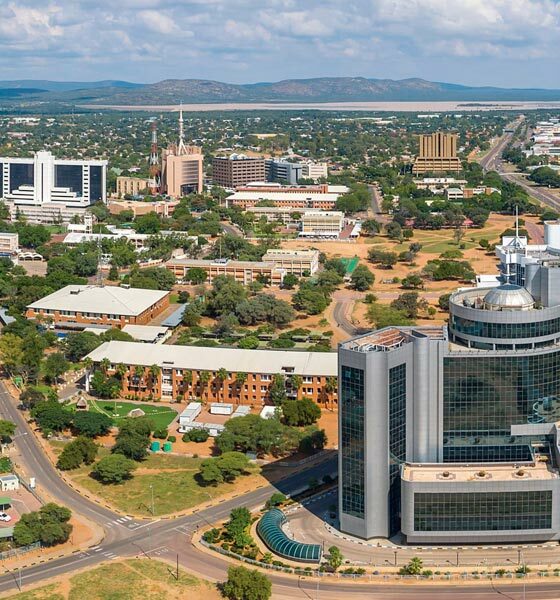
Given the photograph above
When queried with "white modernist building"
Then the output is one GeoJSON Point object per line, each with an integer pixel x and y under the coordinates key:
{"type": "Point", "coordinates": [45, 188]}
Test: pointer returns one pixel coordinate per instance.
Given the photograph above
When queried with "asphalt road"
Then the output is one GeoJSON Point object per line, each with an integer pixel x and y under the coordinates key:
{"type": "Point", "coordinates": [171, 539]}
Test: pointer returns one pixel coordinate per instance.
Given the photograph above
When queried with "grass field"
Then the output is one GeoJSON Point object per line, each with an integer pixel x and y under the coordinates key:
{"type": "Point", "coordinates": [162, 416]}
{"type": "Point", "coordinates": [172, 478]}
{"type": "Point", "coordinates": [126, 580]}
{"type": "Point", "coordinates": [350, 264]}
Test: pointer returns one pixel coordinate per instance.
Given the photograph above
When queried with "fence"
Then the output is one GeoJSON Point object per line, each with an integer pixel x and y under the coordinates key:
{"type": "Point", "coordinates": [19, 551]}
{"type": "Point", "coordinates": [379, 577]}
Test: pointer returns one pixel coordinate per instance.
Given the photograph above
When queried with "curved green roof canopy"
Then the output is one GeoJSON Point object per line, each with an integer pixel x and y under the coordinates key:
{"type": "Point", "coordinates": [270, 531]}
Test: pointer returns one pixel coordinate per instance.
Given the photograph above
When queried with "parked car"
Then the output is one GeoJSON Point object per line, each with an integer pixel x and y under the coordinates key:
{"type": "Point", "coordinates": [5, 517]}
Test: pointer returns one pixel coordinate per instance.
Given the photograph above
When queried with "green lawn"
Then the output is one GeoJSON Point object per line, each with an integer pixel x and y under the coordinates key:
{"type": "Point", "coordinates": [127, 580]}
{"type": "Point", "coordinates": [350, 264]}
{"type": "Point", "coordinates": [171, 477]}
{"type": "Point", "coordinates": [162, 416]}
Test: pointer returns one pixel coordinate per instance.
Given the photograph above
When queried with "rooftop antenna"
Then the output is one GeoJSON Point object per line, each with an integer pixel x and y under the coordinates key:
{"type": "Point", "coordinates": [181, 148]}
{"type": "Point", "coordinates": [154, 161]}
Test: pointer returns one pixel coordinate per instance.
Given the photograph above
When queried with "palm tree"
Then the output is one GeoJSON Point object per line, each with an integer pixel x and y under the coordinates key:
{"type": "Point", "coordinates": [221, 376]}
{"type": "Point", "coordinates": [187, 379]}
{"type": "Point", "coordinates": [104, 365]}
{"type": "Point", "coordinates": [154, 372]}
{"type": "Point", "coordinates": [204, 378]}
{"type": "Point", "coordinates": [240, 379]}
{"type": "Point", "coordinates": [121, 370]}
{"type": "Point", "coordinates": [331, 386]}
{"type": "Point", "coordinates": [296, 382]}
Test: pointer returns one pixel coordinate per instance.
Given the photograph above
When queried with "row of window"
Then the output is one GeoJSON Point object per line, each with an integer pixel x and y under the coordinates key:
{"type": "Point", "coordinates": [506, 331]}
{"type": "Point", "coordinates": [352, 441]}
{"type": "Point", "coordinates": [482, 511]}
{"type": "Point", "coordinates": [487, 395]}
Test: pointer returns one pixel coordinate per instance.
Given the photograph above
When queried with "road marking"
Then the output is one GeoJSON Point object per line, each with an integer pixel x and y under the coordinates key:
{"type": "Point", "coordinates": [149, 523]}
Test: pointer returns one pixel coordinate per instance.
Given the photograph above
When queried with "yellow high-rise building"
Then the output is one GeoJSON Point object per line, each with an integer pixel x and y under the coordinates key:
{"type": "Point", "coordinates": [437, 153]}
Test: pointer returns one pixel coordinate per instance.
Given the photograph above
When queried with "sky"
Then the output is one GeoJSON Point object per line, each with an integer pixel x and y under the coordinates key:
{"type": "Point", "coordinates": [508, 43]}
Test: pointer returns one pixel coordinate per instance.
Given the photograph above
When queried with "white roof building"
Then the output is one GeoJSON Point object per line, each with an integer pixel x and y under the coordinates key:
{"type": "Point", "coordinates": [110, 300]}
{"type": "Point", "coordinates": [234, 360]}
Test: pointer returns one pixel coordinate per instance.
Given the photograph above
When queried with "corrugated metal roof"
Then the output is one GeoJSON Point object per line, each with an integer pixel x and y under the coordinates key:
{"type": "Point", "coordinates": [234, 360]}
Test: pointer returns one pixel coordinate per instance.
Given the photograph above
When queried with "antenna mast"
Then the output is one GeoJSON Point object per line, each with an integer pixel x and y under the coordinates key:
{"type": "Point", "coordinates": [155, 172]}
{"type": "Point", "coordinates": [181, 148]}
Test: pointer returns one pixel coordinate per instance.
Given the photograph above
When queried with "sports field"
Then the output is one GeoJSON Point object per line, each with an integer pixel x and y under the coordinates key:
{"type": "Point", "coordinates": [117, 410]}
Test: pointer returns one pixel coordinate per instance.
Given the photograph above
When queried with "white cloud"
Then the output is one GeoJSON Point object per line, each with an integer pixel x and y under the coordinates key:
{"type": "Point", "coordinates": [286, 37]}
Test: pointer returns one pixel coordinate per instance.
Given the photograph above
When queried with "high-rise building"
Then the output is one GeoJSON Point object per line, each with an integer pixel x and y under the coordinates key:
{"type": "Point", "coordinates": [182, 171]}
{"type": "Point", "coordinates": [237, 169]}
{"type": "Point", "coordinates": [437, 153]}
{"type": "Point", "coordinates": [44, 187]}
{"type": "Point", "coordinates": [450, 434]}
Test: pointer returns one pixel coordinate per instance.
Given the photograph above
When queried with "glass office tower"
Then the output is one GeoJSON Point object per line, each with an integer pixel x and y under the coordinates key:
{"type": "Point", "coordinates": [449, 434]}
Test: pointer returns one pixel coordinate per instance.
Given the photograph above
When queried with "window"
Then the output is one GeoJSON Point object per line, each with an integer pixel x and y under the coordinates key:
{"type": "Point", "coordinates": [397, 441]}
{"type": "Point", "coordinates": [482, 511]}
{"type": "Point", "coordinates": [352, 441]}
{"type": "Point", "coordinates": [485, 396]}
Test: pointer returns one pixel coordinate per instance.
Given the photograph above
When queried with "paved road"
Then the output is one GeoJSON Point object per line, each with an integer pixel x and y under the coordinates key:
{"type": "Point", "coordinates": [169, 539]}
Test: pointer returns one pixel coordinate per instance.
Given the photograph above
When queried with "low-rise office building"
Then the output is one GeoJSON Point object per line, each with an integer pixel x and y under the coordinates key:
{"type": "Point", "coordinates": [162, 208]}
{"type": "Point", "coordinates": [321, 197]}
{"type": "Point", "coordinates": [132, 186]}
{"type": "Point", "coordinates": [297, 262]}
{"type": "Point", "coordinates": [77, 306]}
{"type": "Point", "coordinates": [250, 373]}
{"type": "Point", "coordinates": [243, 271]}
{"type": "Point", "coordinates": [324, 224]}
{"type": "Point", "coordinates": [9, 244]}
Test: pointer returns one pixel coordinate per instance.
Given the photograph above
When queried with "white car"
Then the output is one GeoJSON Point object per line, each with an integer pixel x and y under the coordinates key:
{"type": "Point", "coordinates": [5, 517]}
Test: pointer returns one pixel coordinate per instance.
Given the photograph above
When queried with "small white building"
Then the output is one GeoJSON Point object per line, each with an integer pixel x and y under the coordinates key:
{"type": "Point", "coordinates": [9, 483]}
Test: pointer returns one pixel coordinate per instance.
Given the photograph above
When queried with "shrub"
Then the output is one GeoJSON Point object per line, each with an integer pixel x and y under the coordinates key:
{"type": "Point", "coordinates": [197, 435]}
{"type": "Point", "coordinates": [113, 469]}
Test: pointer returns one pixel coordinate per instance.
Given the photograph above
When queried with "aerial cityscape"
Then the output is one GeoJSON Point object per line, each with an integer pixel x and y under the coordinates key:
{"type": "Point", "coordinates": [280, 300]}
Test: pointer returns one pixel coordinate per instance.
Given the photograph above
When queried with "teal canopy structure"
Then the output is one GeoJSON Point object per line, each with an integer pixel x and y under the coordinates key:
{"type": "Point", "coordinates": [270, 530]}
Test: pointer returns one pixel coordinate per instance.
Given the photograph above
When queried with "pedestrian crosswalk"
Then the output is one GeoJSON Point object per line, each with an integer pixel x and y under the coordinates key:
{"type": "Point", "coordinates": [125, 521]}
{"type": "Point", "coordinates": [101, 552]}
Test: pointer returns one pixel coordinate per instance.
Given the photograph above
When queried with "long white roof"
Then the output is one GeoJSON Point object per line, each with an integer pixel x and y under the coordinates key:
{"type": "Point", "coordinates": [107, 300]}
{"type": "Point", "coordinates": [212, 359]}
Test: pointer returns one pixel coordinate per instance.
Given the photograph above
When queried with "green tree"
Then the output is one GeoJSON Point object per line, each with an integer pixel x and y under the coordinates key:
{"type": "Point", "coordinates": [51, 416]}
{"type": "Point", "coordinates": [91, 424]}
{"type": "Point", "coordinates": [75, 453]}
{"type": "Point", "coordinates": [148, 223]}
{"type": "Point", "coordinates": [191, 315]}
{"type": "Point", "coordinates": [245, 584]}
{"type": "Point", "coordinates": [55, 366]}
{"type": "Point", "coordinates": [290, 281]}
{"type": "Point", "coordinates": [362, 278]}
{"type": "Point", "coordinates": [335, 558]}
{"type": "Point", "coordinates": [412, 282]}
{"type": "Point", "coordinates": [298, 413]}
{"type": "Point", "coordinates": [413, 567]}
{"type": "Point", "coordinates": [277, 390]}
{"type": "Point", "coordinates": [114, 468]}
{"type": "Point", "coordinates": [7, 429]}
{"type": "Point", "coordinates": [226, 467]}
{"type": "Point", "coordinates": [196, 275]}
{"type": "Point", "coordinates": [309, 300]}
{"type": "Point", "coordinates": [250, 342]}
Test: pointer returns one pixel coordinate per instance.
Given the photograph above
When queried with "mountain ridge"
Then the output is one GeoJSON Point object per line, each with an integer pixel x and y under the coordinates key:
{"type": "Point", "coordinates": [318, 89]}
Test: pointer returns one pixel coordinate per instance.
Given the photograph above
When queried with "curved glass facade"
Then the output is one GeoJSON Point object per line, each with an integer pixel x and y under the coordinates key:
{"type": "Point", "coordinates": [485, 395]}
{"type": "Point", "coordinates": [506, 331]}
{"type": "Point", "coordinates": [482, 511]}
{"type": "Point", "coordinates": [270, 530]}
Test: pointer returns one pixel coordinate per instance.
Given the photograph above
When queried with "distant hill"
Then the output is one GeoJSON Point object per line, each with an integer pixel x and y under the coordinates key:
{"type": "Point", "coordinates": [34, 85]}
{"type": "Point", "coordinates": [324, 89]}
